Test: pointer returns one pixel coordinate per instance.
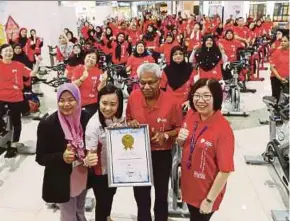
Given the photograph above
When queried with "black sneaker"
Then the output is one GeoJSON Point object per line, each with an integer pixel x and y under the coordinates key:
{"type": "Point", "coordinates": [11, 153]}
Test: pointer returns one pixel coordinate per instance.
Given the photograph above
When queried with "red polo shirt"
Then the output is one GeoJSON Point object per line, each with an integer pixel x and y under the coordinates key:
{"type": "Point", "coordinates": [165, 115]}
{"type": "Point", "coordinates": [181, 94]}
{"type": "Point", "coordinates": [135, 62]}
{"type": "Point", "coordinates": [242, 32]}
{"type": "Point", "coordinates": [88, 88]}
{"type": "Point", "coordinates": [11, 81]}
{"type": "Point", "coordinates": [213, 152]}
{"type": "Point", "coordinates": [230, 48]}
{"type": "Point", "coordinates": [280, 60]}
{"type": "Point", "coordinates": [166, 50]}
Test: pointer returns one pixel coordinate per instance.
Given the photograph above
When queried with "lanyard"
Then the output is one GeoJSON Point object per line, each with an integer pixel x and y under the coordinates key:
{"type": "Point", "coordinates": [193, 142]}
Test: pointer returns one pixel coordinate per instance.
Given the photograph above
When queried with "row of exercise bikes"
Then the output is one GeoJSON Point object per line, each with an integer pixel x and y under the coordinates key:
{"type": "Point", "coordinates": [251, 61]}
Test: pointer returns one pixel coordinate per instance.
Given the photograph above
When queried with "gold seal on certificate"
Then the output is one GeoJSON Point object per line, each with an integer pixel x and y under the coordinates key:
{"type": "Point", "coordinates": [128, 141]}
{"type": "Point", "coordinates": [129, 156]}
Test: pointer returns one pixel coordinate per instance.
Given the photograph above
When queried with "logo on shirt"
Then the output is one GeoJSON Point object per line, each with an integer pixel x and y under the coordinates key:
{"type": "Point", "coordinates": [14, 70]}
{"type": "Point", "coordinates": [207, 143]}
{"type": "Point", "coordinates": [199, 175]}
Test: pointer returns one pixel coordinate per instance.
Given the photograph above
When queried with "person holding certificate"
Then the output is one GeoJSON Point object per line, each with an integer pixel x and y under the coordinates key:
{"type": "Point", "coordinates": [154, 107]}
{"type": "Point", "coordinates": [60, 148]}
{"type": "Point", "coordinates": [110, 110]}
{"type": "Point", "coordinates": [208, 150]}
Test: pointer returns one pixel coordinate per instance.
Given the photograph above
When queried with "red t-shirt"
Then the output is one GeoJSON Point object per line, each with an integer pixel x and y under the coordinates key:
{"type": "Point", "coordinates": [11, 81]}
{"type": "Point", "coordinates": [230, 48]}
{"type": "Point", "coordinates": [181, 94]}
{"type": "Point", "coordinates": [166, 115]}
{"type": "Point", "coordinates": [195, 39]}
{"type": "Point", "coordinates": [88, 88]}
{"type": "Point", "coordinates": [215, 73]}
{"type": "Point", "coordinates": [280, 60]}
{"type": "Point", "coordinates": [135, 62]}
{"type": "Point", "coordinates": [213, 153]}
{"type": "Point", "coordinates": [124, 53]}
{"type": "Point", "coordinates": [166, 50]}
{"type": "Point", "coordinates": [242, 32]}
{"type": "Point", "coordinates": [135, 35]}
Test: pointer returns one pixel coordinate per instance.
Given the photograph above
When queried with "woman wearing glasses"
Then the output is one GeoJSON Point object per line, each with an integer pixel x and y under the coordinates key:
{"type": "Point", "coordinates": [208, 149]}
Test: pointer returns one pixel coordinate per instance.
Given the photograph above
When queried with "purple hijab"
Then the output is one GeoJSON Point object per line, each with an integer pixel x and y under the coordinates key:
{"type": "Point", "coordinates": [71, 125]}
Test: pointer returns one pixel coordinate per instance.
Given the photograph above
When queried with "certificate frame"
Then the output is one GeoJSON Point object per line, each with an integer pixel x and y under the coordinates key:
{"type": "Point", "coordinates": [120, 160]}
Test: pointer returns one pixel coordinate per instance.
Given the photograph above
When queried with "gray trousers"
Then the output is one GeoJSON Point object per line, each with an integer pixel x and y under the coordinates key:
{"type": "Point", "coordinates": [74, 209]}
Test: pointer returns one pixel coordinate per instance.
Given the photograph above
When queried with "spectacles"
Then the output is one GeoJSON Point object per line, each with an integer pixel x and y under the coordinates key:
{"type": "Point", "coordinates": [205, 97]}
{"type": "Point", "coordinates": [150, 83]}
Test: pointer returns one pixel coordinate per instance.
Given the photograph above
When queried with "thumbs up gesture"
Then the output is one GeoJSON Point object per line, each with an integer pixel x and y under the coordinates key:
{"type": "Point", "coordinates": [69, 154]}
{"type": "Point", "coordinates": [182, 135]}
{"type": "Point", "coordinates": [91, 159]}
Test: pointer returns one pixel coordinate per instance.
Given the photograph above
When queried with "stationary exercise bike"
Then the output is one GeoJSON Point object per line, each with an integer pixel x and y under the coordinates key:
{"type": "Point", "coordinates": [277, 149]}
{"type": "Point", "coordinates": [232, 98]}
{"type": "Point", "coordinates": [176, 207]}
{"type": "Point", "coordinates": [6, 133]}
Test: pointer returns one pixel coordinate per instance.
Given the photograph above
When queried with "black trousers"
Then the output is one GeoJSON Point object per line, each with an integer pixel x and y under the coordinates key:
{"type": "Point", "coordinates": [91, 109]}
{"type": "Point", "coordinates": [104, 196]}
{"type": "Point", "coordinates": [195, 215]}
{"type": "Point", "coordinates": [162, 163]}
{"type": "Point", "coordinates": [276, 86]}
{"type": "Point", "coordinates": [15, 109]}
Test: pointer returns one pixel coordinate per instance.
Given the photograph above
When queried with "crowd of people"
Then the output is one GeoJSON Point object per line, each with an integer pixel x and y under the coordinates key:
{"type": "Point", "coordinates": [71, 143]}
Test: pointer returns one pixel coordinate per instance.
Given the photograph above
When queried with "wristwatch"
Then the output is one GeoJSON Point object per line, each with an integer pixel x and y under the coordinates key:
{"type": "Point", "coordinates": [208, 200]}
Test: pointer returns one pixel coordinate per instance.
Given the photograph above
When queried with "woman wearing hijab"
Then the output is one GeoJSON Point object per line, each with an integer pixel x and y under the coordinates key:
{"type": "Point", "coordinates": [64, 49]}
{"type": "Point", "coordinates": [151, 37]}
{"type": "Point", "coordinates": [208, 59]}
{"type": "Point", "coordinates": [20, 56]}
{"type": "Point", "coordinates": [60, 149]}
{"type": "Point", "coordinates": [139, 56]}
{"type": "Point", "coordinates": [178, 76]}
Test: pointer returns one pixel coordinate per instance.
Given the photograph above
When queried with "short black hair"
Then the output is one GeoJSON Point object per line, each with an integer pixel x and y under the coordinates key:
{"type": "Point", "coordinates": [93, 51]}
{"type": "Point", "coordinates": [110, 89]}
{"type": "Point", "coordinates": [4, 46]}
{"type": "Point", "coordinates": [215, 89]}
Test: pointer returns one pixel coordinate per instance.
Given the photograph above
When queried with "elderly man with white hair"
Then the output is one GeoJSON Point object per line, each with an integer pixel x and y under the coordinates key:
{"type": "Point", "coordinates": [154, 107]}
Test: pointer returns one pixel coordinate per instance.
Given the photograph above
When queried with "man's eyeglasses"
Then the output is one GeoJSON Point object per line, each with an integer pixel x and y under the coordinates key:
{"type": "Point", "coordinates": [205, 97]}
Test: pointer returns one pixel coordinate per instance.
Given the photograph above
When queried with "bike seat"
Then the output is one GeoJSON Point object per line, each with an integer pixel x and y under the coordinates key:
{"type": "Point", "coordinates": [269, 100]}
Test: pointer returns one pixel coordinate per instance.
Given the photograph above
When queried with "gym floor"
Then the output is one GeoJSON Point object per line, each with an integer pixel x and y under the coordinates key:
{"type": "Point", "coordinates": [252, 191]}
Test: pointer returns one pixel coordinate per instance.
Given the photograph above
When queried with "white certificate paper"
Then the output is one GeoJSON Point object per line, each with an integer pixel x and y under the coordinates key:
{"type": "Point", "coordinates": [129, 157]}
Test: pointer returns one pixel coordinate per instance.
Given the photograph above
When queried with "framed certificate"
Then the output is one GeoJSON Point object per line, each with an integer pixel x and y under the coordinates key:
{"type": "Point", "coordinates": [129, 156]}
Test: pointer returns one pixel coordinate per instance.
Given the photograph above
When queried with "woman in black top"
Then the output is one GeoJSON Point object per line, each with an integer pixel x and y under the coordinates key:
{"type": "Point", "coordinates": [61, 150]}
